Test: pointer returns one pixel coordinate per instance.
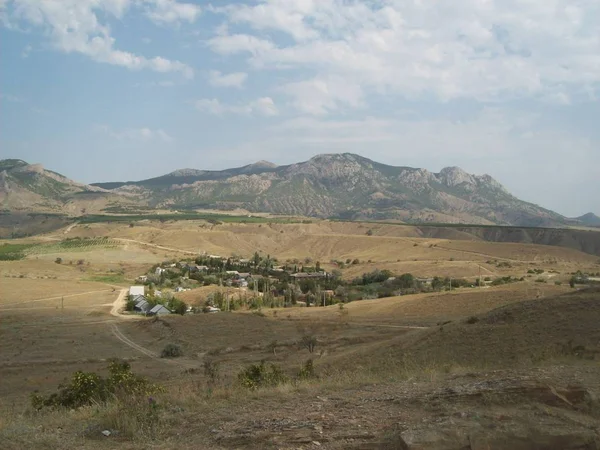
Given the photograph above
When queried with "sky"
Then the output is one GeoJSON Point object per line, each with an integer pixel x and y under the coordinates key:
{"type": "Point", "coordinates": [116, 90]}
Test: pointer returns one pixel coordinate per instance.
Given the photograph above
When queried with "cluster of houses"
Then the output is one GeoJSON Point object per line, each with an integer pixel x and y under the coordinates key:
{"type": "Point", "coordinates": [141, 304]}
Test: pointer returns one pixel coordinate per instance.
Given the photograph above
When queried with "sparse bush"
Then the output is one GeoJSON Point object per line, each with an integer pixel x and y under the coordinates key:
{"type": "Point", "coordinates": [472, 320]}
{"type": "Point", "coordinates": [369, 232]}
{"type": "Point", "coordinates": [261, 375]}
{"type": "Point", "coordinates": [307, 371]}
{"type": "Point", "coordinates": [58, 260]}
{"type": "Point", "coordinates": [171, 351]}
{"type": "Point", "coordinates": [211, 369]}
{"type": "Point", "coordinates": [309, 342]}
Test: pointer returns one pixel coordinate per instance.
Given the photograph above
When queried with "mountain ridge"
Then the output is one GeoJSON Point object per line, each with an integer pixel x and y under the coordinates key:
{"type": "Point", "coordinates": [333, 185]}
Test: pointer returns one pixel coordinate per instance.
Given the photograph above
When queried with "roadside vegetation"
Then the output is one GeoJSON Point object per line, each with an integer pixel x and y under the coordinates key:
{"type": "Point", "coordinates": [209, 217]}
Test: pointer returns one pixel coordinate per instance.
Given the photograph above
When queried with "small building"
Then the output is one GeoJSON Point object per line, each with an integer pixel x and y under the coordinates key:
{"type": "Point", "coordinates": [136, 290]}
{"type": "Point", "coordinates": [212, 309]}
{"type": "Point", "coordinates": [142, 278]}
{"type": "Point", "coordinates": [194, 268]}
{"type": "Point", "coordinates": [158, 310]}
{"type": "Point", "coordinates": [159, 271]}
{"type": "Point", "coordinates": [306, 276]}
{"type": "Point", "coordinates": [142, 305]}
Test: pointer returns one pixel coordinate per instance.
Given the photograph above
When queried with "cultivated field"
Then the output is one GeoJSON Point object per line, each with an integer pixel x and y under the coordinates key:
{"type": "Point", "coordinates": [427, 371]}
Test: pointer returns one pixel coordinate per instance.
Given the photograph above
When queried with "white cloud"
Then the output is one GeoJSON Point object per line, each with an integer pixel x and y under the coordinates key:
{"type": "Point", "coordinates": [238, 43]}
{"type": "Point", "coordinates": [137, 134]}
{"type": "Point", "coordinates": [171, 11]}
{"type": "Point", "coordinates": [74, 26]}
{"type": "Point", "coordinates": [322, 95]}
{"type": "Point", "coordinates": [264, 106]}
{"type": "Point", "coordinates": [489, 50]}
{"type": "Point", "coordinates": [218, 79]}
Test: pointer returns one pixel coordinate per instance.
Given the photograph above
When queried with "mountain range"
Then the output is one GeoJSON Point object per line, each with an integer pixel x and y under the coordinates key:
{"type": "Point", "coordinates": [345, 186]}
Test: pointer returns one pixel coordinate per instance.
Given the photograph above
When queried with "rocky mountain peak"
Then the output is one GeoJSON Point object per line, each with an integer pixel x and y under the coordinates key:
{"type": "Point", "coordinates": [264, 164]}
{"type": "Point", "coordinates": [186, 173]}
{"type": "Point", "coordinates": [454, 176]}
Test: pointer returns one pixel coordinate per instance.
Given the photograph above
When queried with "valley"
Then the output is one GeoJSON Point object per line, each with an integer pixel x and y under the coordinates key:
{"type": "Point", "coordinates": [424, 370]}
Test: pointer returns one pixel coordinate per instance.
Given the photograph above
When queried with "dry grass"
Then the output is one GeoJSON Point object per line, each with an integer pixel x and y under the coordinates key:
{"type": "Point", "coordinates": [358, 347]}
{"type": "Point", "coordinates": [426, 309]}
{"type": "Point", "coordinates": [25, 291]}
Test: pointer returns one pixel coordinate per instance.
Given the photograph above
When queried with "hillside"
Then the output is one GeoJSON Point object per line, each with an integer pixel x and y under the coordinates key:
{"type": "Point", "coordinates": [344, 186]}
{"type": "Point", "coordinates": [32, 188]}
{"type": "Point", "coordinates": [589, 219]}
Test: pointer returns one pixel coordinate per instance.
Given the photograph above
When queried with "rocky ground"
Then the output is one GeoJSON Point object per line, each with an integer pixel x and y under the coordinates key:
{"type": "Point", "coordinates": [549, 408]}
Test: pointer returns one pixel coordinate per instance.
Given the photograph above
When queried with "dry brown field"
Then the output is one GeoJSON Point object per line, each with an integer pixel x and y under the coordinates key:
{"type": "Point", "coordinates": [56, 319]}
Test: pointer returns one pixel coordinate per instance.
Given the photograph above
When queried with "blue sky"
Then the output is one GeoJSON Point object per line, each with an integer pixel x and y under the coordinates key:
{"type": "Point", "coordinates": [105, 90]}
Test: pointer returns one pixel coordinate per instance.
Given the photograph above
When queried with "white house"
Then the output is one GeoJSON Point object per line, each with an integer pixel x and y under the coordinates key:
{"type": "Point", "coordinates": [136, 290]}
{"type": "Point", "coordinates": [142, 278]}
{"type": "Point", "coordinates": [159, 271]}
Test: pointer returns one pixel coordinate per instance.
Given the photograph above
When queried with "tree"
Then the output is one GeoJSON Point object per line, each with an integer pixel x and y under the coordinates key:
{"type": "Point", "coordinates": [370, 232]}
{"type": "Point", "coordinates": [178, 306]}
{"type": "Point", "coordinates": [318, 267]}
{"type": "Point", "coordinates": [58, 260]}
{"type": "Point", "coordinates": [256, 259]}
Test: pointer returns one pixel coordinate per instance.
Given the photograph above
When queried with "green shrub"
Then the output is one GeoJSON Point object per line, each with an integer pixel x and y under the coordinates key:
{"type": "Point", "coordinates": [171, 351]}
{"type": "Point", "coordinates": [472, 320]}
{"type": "Point", "coordinates": [307, 371]}
{"type": "Point", "coordinates": [261, 375]}
{"type": "Point", "coordinates": [86, 388]}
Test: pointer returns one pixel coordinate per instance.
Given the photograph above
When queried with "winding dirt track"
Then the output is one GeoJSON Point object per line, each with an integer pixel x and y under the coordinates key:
{"type": "Point", "coordinates": [117, 306]}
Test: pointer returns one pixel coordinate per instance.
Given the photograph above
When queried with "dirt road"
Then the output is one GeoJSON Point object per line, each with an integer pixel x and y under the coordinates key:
{"type": "Point", "coordinates": [148, 244]}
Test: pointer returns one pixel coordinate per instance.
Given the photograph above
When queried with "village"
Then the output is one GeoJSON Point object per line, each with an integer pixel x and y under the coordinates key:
{"type": "Point", "coordinates": [241, 283]}
{"type": "Point", "coordinates": [262, 282]}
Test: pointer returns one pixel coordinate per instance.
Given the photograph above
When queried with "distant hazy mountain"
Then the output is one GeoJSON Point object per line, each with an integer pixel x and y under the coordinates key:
{"type": "Point", "coordinates": [334, 185]}
{"type": "Point", "coordinates": [589, 219]}
{"type": "Point", "coordinates": [344, 186]}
